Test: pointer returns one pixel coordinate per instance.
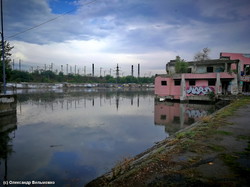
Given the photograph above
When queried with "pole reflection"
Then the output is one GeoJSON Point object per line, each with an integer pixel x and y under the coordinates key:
{"type": "Point", "coordinates": [81, 99]}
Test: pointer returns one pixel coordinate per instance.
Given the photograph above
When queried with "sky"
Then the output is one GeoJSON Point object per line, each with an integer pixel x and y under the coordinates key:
{"type": "Point", "coordinates": [124, 32]}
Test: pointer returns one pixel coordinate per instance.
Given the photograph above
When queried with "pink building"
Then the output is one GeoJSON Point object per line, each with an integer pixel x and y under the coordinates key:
{"type": "Point", "coordinates": [175, 116]}
{"type": "Point", "coordinates": [205, 78]}
{"type": "Point", "coordinates": [244, 68]}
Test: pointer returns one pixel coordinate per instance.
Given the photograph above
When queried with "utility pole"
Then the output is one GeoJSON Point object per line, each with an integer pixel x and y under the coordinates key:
{"type": "Point", "coordinates": [3, 51]}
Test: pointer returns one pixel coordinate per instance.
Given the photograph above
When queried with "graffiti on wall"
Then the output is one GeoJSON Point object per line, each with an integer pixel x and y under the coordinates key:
{"type": "Point", "coordinates": [196, 113]}
{"type": "Point", "coordinates": [198, 90]}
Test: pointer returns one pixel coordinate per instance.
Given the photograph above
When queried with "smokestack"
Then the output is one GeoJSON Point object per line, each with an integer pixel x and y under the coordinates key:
{"type": "Point", "coordinates": [138, 70]}
{"type": "Point", "coordinates": [20, 65]}
{"type": "Point", "coordinates": [132, 70]}
{"type": "Point", "coordinates": [93, 70]}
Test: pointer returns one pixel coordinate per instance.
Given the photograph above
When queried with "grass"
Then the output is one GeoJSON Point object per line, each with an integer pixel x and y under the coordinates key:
{"type": "Point", "coordinates": [243, 137]}
{"type": "Point", "coordinates": [226, 133]}
{"type": "Point", "coordinates": [217, 148]}
{"type": "Point", "coordinates": [205, 119]}
{"type": "Point", "coordinates": [121, 166]}
{"type": "Point", "coordinates": [233, 161]}
{"type": "Point", "coordinates": [188, 134]}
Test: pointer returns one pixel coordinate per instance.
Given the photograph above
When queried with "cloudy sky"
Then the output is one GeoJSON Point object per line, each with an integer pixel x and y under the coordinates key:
{"type": "Point", "coordinates": [124, 32]}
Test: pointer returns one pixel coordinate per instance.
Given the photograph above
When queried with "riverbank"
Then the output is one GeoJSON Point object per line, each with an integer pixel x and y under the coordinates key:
{"type": "Point", "coordinates": [66, 85]}
{"type": "Point", "coordinates": [212, 152]}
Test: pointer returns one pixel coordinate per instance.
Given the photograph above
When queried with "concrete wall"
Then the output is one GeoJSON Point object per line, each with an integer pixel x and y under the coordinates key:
{"type": "Point", "coordinates": [244, 59]}
{"type": "Point", "coordinates": [7, 104]}
{"type": "Point", "coordinates": [167, 90]}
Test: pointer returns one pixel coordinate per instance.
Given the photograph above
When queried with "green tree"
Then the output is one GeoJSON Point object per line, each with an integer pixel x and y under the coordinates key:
{"type": "Point", "coordinates": [109, 79]}
{"type": "Point", "coordinates": [48, 76]}
{"type": "Point", "coordinates": [7, 55]}
{"type": "Point", "coordinates": [20, 76]}
{"type": "Point", "coordinates": [180, 65]}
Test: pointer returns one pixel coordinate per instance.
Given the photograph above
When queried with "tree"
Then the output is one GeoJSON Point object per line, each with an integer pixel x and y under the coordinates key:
{"type": "Point", "coordinates": [201, 56]}
{"type": "Point", "coordinates": [20, 76]}
{"type": "Point", "coordinates": [7, 55]}
{"type": "Point", "coordinates": [180, 65]}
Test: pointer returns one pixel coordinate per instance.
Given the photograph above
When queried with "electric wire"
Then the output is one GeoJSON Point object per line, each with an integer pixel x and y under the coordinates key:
{"type": "Point", "coordinates": [50, 20]}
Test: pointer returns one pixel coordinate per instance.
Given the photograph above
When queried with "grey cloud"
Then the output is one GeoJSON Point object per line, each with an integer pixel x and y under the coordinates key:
{"type": "Point", "coordinates": [132, 26]}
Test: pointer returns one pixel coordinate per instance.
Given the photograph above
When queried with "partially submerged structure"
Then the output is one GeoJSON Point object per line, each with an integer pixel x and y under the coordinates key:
{"type": "Point", "coordinates": [228, 75]}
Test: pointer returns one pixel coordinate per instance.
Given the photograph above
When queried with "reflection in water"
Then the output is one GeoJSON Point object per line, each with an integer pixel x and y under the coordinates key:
{"type": "Point", "coordinates": [74, 137]}
{"type": "Point", "coordinates": [175, 116]}
{"type": "Point", "coordinates": [74, 98]}
{"type": "Point", "coordinates": [8, 126]}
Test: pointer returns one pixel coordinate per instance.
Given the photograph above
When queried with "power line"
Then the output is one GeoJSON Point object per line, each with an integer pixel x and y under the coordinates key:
{"type": "Point", "coordinates": [50, 20]}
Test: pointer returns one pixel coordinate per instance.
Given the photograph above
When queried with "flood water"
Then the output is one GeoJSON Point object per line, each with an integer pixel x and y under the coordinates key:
{"type": "Point", "coordinates": [74, 137]}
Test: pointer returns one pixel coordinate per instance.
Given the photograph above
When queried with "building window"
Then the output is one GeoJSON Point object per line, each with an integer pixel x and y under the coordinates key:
{"type": "Point", "coordinates": [191, 82]}
{"type": "Point", "coordinates": [177, 82]}
{"type": "Point", "coordinates": [164, 83]}
{"type": "Point", "coordinates": [189, 70]}
{"type": "Point", "coordinates": [210, 69]}
{"type": "Point", "coordinates": [163, 117]}
{"type": "Point", "coordinates": [176, 119]}
{"type": "Point", "coordinates": [211, 82]}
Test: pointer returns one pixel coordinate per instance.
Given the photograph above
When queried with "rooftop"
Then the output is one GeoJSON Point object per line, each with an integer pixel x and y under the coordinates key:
{"type": "Point", "coordinates": [207, 62]}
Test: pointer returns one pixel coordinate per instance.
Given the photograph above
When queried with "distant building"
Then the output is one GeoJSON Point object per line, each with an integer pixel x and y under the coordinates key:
{"type": "Point", "coordinates": [228, 75]}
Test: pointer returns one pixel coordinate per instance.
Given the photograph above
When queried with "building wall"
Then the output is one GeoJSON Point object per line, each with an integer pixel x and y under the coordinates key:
{"type": "Point", "coordinates": [201, 87]}
{"type": "Point", "coordinates": [201, 68]}
{"type": "Point", "coordinates": [168, 90]}
{"type": "Point", "coordinates": [244, 59]}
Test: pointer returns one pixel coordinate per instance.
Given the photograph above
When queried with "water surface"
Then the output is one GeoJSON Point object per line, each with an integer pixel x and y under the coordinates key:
{"type": "Point", "coordinates": [74, 137]}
